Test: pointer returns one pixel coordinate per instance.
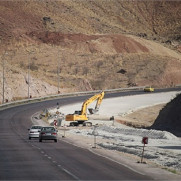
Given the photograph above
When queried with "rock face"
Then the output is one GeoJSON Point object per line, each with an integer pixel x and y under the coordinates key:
{"type": "Point", "coordinates": [16, 87]}
{"type": "Point", "coordinates": [169, 118]}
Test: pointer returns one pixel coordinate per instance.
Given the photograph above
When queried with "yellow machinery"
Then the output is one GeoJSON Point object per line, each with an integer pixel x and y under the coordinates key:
{"type": "Point", "coordinates": [149, 89]}
{"type": "Point", "coordinates": [80, 117]}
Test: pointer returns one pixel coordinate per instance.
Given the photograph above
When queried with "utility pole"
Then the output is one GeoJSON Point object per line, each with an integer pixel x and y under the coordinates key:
{"type": "Point", "coordinates": [10, 54]}
{"type": "Point", "coordinates": [3, 79]}
{"type": "Point", "coordinates": [58, 72]}
{"type": "Point", "coordinates": [28, 77]}
{"type": "Point", "coordinates": [30, 50]}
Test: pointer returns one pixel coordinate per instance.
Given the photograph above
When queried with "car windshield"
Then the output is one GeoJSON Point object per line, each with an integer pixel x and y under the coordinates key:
{"type": "Point", "coordinates": [36, 127]}
{"type": "Point", "coordinates": [48, 129]}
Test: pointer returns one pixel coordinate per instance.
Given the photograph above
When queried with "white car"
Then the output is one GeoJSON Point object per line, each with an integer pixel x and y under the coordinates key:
{"type": "Point", "coordinates": [34, 131]}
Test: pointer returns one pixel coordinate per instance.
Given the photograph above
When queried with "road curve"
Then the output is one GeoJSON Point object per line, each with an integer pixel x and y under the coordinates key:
{"type": "Point", "coordinates": [23, 159]}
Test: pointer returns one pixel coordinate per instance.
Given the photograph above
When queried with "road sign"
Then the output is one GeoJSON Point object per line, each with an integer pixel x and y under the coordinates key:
{"type": "Point", "coordinates": [55, 122]}
{"type": "Point", "coordinates": [145, 140]}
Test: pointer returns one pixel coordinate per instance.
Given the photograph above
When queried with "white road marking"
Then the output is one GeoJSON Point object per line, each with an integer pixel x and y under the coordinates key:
{"type": "Point", "coordinates": [69, 173]}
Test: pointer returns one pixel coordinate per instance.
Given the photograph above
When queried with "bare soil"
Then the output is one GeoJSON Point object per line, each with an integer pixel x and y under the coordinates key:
{"type": "Point", "coordinates": [143, 117]}
{"type": "Point", "coordinates": [92, 45]}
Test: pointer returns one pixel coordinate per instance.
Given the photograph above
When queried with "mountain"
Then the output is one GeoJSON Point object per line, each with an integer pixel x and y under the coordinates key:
{"type": "Point", "coordinates": [92, 44]}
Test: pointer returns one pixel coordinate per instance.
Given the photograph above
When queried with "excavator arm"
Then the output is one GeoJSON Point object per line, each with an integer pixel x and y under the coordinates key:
{"type": "Point", "coordinates": [99, 101]}
{"type": "Point", "coordinates": [81, 116]}
{"type": "Point", "coordinates": [97, 97]}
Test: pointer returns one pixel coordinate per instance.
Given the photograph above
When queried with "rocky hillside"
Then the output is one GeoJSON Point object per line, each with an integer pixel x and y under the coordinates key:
{"type": "Point", "coordinates": [91, 44]}
{"type": "Point", "coordinates": [152, 19]}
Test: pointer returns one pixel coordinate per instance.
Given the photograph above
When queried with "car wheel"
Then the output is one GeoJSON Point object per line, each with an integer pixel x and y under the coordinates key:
{"type": "Point", "coordinates": [40, 140]}
{"type": "Point", "coordinates": [55, 140]}
{"type": "Point", "coordinates": [29, 138]}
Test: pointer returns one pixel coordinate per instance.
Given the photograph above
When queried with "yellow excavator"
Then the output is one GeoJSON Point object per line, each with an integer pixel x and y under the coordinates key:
{"type": "Point", "coordinates": [80, 117]}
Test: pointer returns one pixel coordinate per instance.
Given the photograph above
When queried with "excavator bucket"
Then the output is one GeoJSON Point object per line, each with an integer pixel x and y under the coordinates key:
{"type": "Point", "coordinates": [93, 111]}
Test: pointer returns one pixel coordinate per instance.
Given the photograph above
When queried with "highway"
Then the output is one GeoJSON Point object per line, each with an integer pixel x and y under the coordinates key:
{"type": "Point", "coordinates": [23, 159]}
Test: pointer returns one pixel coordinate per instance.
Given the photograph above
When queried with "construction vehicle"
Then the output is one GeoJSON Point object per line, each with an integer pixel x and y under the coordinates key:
{"type": "Point", "coordinates": [80, 117]}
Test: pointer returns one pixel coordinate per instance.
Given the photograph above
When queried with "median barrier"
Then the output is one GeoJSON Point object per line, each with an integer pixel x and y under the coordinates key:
{"type": "Point", "coordinates": [51, 97]}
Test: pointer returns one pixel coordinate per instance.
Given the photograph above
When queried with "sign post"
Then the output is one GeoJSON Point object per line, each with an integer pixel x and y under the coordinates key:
{"type": "Point", "coordinates": [95, 133]}
{"type": "Point", "coordinates": [55, 124]}
{"type": "Point", "coordinates": [144, 141]}
{"type": "Point", "coordinates": [64, 128]}
{"type": "Point", "coordinates": [112, 119]}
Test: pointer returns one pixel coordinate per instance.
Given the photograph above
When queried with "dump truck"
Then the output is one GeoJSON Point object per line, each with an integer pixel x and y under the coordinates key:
{"type": "Point", "coordinates": [80, 117]}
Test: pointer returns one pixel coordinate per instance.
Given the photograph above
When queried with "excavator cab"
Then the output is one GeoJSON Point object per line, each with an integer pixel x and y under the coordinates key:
{"type": "Point", "coordinates": [77, 112]}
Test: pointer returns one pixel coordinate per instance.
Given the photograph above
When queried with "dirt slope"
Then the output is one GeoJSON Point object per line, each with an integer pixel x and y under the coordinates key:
{"type": "Point", "coordinates": [91, 44]}
{"type": "Point", "coordinates": [169, 118]}
{"type": "Point", "coordinates": [146, 18]}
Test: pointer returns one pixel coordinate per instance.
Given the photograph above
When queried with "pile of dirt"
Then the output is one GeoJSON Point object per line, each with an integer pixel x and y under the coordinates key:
{"type": "Point", "coordinates": [169, 118]}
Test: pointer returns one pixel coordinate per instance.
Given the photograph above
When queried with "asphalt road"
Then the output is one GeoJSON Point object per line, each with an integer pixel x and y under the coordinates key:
{"type": "Point", "coordinates": [23, 159]}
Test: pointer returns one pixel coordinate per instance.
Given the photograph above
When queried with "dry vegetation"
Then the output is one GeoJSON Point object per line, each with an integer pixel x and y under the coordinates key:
{"type": "Point", "coordinates": [142, 118]}
{"type": "Point", "coordinates": [94, 44]}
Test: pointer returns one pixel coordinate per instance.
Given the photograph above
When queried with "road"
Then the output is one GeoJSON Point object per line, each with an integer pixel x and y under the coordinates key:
{"type": "Point", "coordinates": [23, 159]}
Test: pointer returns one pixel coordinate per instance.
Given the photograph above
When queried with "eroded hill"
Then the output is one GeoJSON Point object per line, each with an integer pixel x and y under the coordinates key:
{"type": "Point", "coordinates": [90, 44]}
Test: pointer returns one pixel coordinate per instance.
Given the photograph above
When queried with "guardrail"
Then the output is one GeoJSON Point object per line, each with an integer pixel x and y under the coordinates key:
{"type": "Point", "coordinates": [39, 99]}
